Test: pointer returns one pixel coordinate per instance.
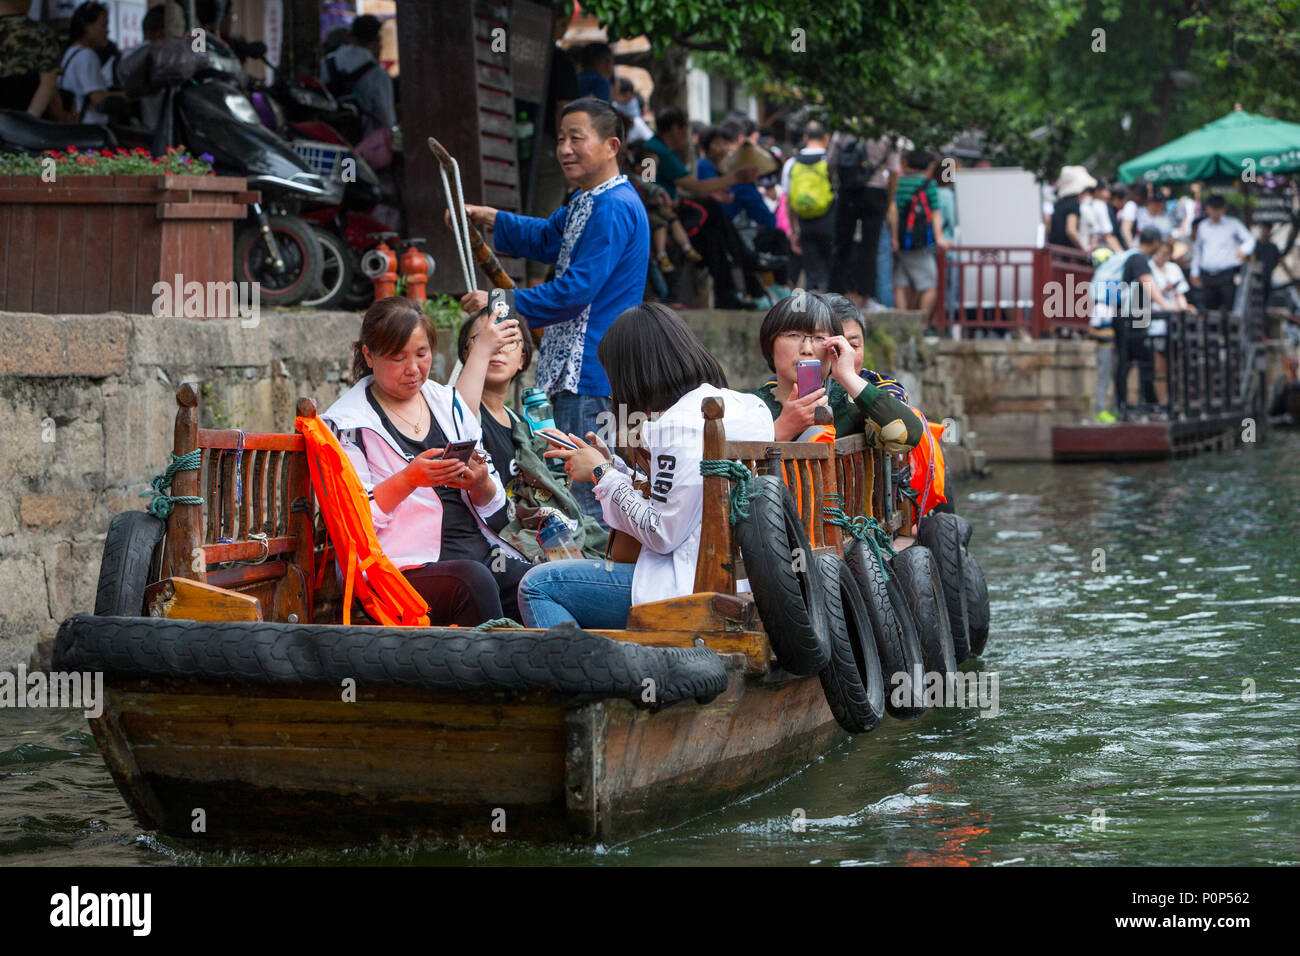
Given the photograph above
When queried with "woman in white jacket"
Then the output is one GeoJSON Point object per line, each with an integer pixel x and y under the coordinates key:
{"type": "Point", "coordinates": [658, 368]}
{"type": "Point", "coordinates": [436, 520]}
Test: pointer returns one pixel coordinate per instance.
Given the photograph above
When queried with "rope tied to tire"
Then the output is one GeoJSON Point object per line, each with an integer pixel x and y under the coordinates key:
{"type": "Point", "coordinates": [742, 480]}
{"type": "Point", "coordinates": [162, 502]}
{"type": "Point", "coordinates": [499, 622]}
{"type": "Point", "coordinates": [863, 527]}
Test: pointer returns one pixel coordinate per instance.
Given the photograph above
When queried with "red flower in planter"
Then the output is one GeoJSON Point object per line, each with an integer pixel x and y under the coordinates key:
{"type": "Point", "coordinates": [72, 149]}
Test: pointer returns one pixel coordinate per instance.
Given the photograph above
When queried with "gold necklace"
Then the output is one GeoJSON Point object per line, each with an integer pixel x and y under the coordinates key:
{"type": "Point", "coordinates": [412, 425]}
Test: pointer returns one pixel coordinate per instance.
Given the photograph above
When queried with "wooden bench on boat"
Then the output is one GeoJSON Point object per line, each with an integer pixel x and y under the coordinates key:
{"type": "Point", "coordinates": [278, 764]}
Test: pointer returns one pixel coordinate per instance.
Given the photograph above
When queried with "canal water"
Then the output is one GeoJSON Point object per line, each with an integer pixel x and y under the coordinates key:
{"type": "Point", "coordinates": [1148, 713]}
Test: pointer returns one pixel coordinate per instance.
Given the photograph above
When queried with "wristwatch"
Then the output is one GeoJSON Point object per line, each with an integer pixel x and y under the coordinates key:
{"type": "Point", "coordinates": [598, 472]}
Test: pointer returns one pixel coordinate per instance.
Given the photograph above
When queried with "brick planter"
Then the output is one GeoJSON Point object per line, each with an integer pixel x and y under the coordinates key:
{"type": "Point", "coordinates": [99, 243]}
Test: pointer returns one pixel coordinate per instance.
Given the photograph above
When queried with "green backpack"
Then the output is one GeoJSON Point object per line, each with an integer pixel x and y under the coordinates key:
{"type": "Point", "coordinates": [810, 187]}
{"type": "Point", "coordinates": [537, 489]}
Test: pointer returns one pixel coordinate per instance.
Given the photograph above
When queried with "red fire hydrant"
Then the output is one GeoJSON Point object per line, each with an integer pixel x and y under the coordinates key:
{"type": "Point", "coordinates": [380, 265]}
{"type": "Point", "coordinates": [415, 269]}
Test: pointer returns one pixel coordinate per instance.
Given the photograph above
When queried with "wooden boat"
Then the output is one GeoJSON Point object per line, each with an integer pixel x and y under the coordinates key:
{"type": "Point", "coordinates": [223, 762]}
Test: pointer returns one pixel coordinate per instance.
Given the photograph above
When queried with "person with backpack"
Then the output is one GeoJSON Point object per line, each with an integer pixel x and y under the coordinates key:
{"type": "Point", "coordinates": [806, 181]}
{"type": "Point", "coordinates": [918, 234]}
{"type": "Point", "coordinates": [862, 172]}
{"type": "Point", "coordinates": [353, 71]}
{"type": "Point", "coordinates": [1123, 292]}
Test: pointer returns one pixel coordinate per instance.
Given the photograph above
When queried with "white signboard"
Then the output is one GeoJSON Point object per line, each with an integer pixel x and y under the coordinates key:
{"type": "Point", "coordinates": [998, 208]}
{"type": "Point", "coordinates": [126, 22]}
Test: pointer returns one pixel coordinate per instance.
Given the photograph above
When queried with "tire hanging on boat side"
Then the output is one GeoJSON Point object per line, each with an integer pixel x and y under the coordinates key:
{"type": "Point", "coordinates": [942, 533]}
{"type": "Point", "coordinates": [852, 681]}
{"type": "Point", "coordinates": [124, 569]}
{"type": "Point", "coordinates": [897, 646]}
{"type": "Point", "coordinates": [911, 638]}
{"type": "Point", "coordinates": [977, 602]}
{"type": "Point", "coordinates": [564, 659]}
{"type": "Point", "coordinates": [918, 579]}
{"type": "Point", "coordinates": [784, 578]}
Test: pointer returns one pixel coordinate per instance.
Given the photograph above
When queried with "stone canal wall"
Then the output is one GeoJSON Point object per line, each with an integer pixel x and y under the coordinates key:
{"type": "Point", "coordinates": [88, 404]}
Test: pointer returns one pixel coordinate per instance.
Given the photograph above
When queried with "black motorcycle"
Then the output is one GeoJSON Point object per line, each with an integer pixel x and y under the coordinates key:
{"type": "Point", "coordinates": [210, 113]}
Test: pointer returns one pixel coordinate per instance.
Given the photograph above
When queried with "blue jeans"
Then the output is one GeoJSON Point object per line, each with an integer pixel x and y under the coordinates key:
{"type": "Point", "coordinates": [579, 414]}
{"type": "Point", "coordinates": [595, 594]}
{"type": "Point", "coordinates": [885, 267]}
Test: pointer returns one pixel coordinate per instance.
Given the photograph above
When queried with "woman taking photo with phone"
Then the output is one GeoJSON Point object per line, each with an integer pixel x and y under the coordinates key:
{"type": "Point", "coordinates": [656, 366]}
{"type": "Point", "coordinates": [515, 449]}
{"type": "Point", "coordinates": [804, 328]}
{"type": "Point", "coordinates": [436, 500]}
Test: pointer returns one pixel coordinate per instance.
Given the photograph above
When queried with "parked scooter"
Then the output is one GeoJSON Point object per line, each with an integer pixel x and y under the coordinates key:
{"type": "Point", "coordinates": [275, 247]}
{"type": "Point", "coordinates": [20, 132]}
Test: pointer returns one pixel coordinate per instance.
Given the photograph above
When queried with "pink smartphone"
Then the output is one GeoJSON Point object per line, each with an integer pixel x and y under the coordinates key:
{"type": "Point", "coordinates": [808, 377]}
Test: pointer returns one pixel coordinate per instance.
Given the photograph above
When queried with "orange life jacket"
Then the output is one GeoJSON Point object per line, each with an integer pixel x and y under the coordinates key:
{"type": "Point", "coordinates": [384, 591]}
{"type": "Point", "coordinates": [927, 467]}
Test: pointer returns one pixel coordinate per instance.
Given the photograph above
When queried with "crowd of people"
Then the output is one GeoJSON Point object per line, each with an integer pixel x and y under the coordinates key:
{"type": "Point", "coordinates": [1164, 252]}
{"type": "Point", "coordinates": [821, 210]}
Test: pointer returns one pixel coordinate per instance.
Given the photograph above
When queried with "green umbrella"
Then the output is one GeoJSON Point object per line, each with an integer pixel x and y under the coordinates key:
{"type": "Point", "coordinates": [1218, 150]}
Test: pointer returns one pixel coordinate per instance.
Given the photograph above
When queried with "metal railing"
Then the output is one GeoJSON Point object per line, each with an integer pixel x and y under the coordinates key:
{"type": "Point", "coordinates": [1011, 288]}
{"type": "Point", "coordinates": [1198, 365]}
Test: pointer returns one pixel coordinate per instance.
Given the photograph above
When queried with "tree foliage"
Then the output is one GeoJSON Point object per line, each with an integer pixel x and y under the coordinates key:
{"type": "Point", "coordinates": [1046, 81]}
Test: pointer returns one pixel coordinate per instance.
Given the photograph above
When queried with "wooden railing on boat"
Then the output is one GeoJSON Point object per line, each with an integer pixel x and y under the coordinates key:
{"type": "Point", "coordinates": [252, 536]}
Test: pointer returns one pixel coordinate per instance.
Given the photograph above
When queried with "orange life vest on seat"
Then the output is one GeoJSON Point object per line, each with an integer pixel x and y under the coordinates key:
{"type": "Point", "coordinates": [927, 467]}
{"type": "Point", "coordinates": [344, 505]}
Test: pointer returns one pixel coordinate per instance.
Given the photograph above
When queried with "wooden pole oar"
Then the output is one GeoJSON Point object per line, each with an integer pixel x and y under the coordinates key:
{"type": "Point", "coordinates": [483, 255]}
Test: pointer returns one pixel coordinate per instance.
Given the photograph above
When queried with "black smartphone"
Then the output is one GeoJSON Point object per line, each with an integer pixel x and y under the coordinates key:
{"type": "Point", "coordinates": [460, 450]}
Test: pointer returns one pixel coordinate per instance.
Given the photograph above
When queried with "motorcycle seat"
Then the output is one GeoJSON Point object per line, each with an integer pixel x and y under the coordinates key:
{"type": "Point", "coordinates": [24, 131]}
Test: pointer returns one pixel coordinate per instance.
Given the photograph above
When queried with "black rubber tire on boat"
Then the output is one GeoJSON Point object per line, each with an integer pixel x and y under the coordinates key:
{"type": "Point", "coordinates": [941, 533]}
{"type": "Point", "coordinates": [852, 681]}
{"type": "Point", "coordinates": [904, 614]}
{"type": "Point", "coordinates": [129, 549]}
{"type": "Point", "coordinates": [964, 529]}
{"type": "Point", "coordinates": [918, 579]}
{"type": "Point", "coordinates": [784, 578]}
{"type": "Point", "coordinates": [564, 659]}
{"type": "Point", "coordinates": [897, 646]}
{"type": "Point", "coordinates": [977, 602]}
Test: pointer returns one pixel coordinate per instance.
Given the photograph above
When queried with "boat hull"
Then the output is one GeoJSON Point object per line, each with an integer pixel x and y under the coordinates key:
{"type": "Point", "coordinates": [228, 765]}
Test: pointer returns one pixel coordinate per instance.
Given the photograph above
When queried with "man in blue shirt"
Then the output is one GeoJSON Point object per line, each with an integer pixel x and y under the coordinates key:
{"type": "Point", "coordinates": [716, 144]}
{"type": "Point", "coordinates": [597, 61]}
{"type": "Point", "coordinates": [599, 243]}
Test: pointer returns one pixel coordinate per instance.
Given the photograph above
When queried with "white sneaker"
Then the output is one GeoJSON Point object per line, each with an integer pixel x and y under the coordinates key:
{"type": "Point", "coordinates": [873, 306]}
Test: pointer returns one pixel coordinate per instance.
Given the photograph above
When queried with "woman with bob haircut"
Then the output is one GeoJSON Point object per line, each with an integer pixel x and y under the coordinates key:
{"type": "Point", "coordinates": [804, 327]}
{"type": "Point", "coordinates": [436, 519]}
{"type": "Point", "coordinates": [656, 366]}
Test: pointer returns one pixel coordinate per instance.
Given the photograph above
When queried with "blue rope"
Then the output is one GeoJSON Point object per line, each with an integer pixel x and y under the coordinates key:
{"type": "Point", "coordinates": [743, 484]}
{"type": "Point", "coordinates": [161, 504]}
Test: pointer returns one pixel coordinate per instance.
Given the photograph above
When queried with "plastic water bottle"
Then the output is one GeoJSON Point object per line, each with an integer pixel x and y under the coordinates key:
{"type": "Point", "coordinates": [537, 410]}
{"type": "Point", "coordinates": [554, 538]}
{"type": "Point", "coordinates": [538, 414]}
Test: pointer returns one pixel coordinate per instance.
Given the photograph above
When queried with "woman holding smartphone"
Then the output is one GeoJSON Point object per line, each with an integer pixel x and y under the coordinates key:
{"type": "Point", "coordinates": [658, 367]}
{"type": "Point", "coordinates": [802, 328]}
{"type": "Point", "coordinates": [515, 449]}
{"type": "Point", "coordinates": [436, 500]}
